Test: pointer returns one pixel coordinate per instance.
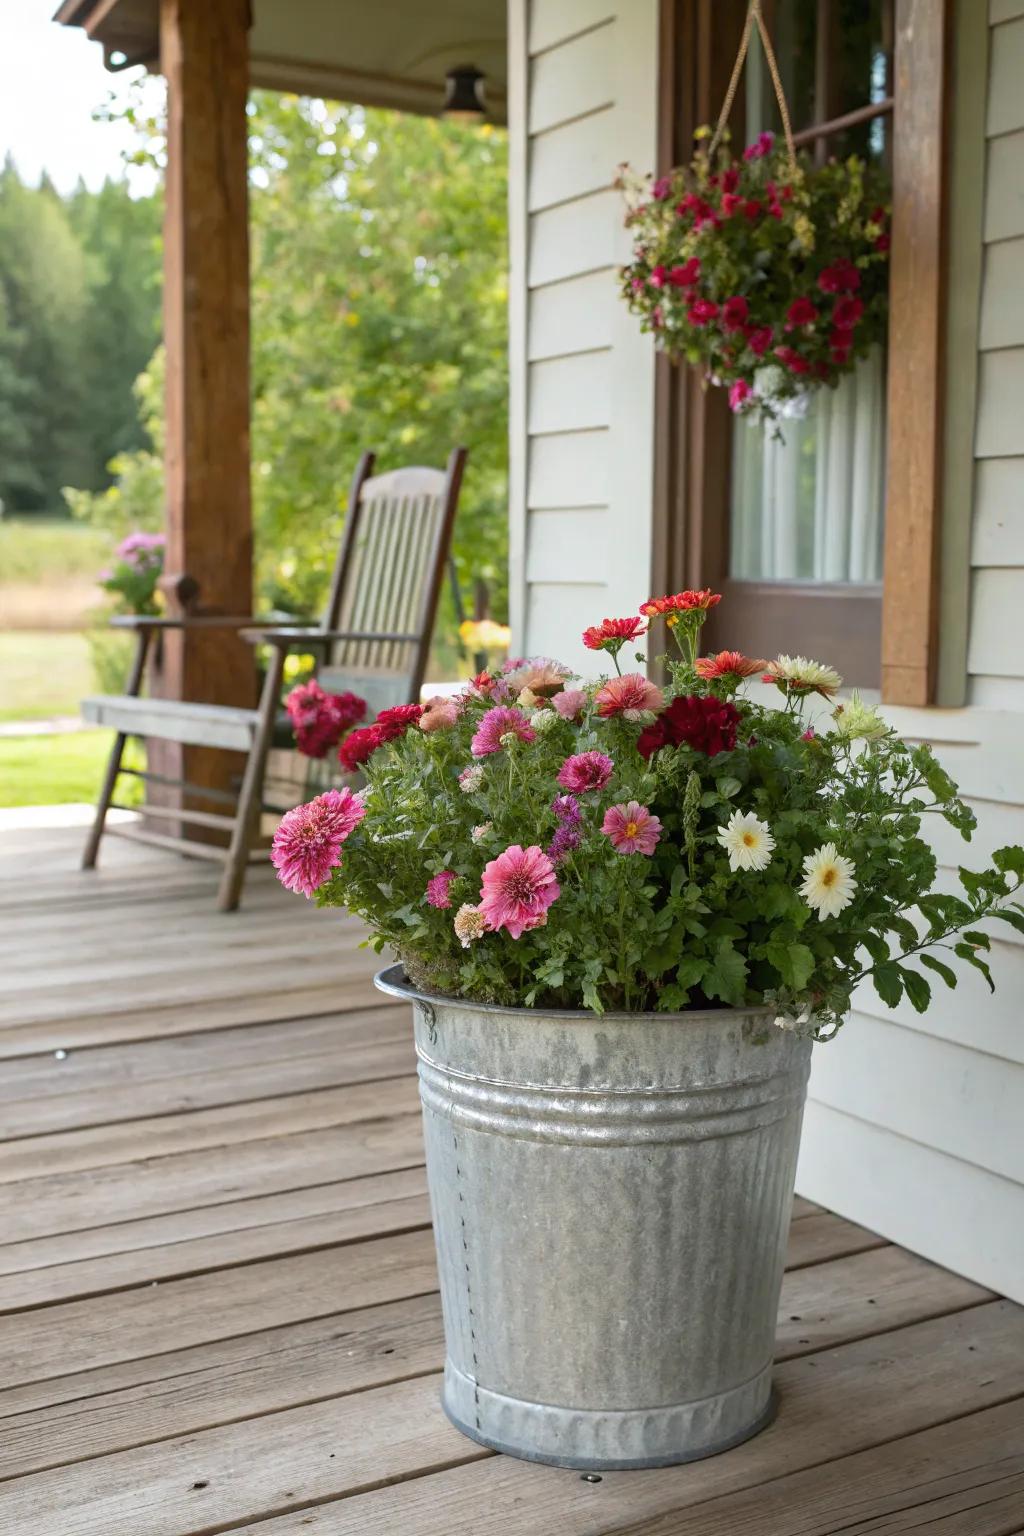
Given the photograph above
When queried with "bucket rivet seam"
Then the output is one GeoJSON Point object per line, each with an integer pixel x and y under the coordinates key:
{"type": "Point", "coordinates": [469, 1288]}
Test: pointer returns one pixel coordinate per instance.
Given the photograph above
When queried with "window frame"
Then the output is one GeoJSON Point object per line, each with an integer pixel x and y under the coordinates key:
{"type": "Point", "coordinates": [877, 634]}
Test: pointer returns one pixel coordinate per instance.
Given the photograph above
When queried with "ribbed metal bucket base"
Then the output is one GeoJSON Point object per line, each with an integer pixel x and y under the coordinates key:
{"type": "Point", "coordinates": [605, 1441]}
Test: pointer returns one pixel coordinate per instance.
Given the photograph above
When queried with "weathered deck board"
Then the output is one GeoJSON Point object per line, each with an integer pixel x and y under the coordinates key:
{"type": "Point", "coordinates": [217, 1282]}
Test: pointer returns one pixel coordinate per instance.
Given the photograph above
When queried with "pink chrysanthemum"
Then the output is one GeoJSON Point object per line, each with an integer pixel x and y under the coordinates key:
{"type": "Point", "coordinates": [439, 714]}
{"type": "Point", "coordinates": [503, 720]}
{"type": "Point", "coordinates": [632, 696]}
{"type": "Point", "coordinates": [307, 844]}
{"type": "Point", "coordinates": [631, 828]}
{"type": "Point", "coordinates": [517, 889]}
{"type": "Point", "coordinates": [437, 889]}
{"type": "Point", "coordinates": [585, 772]}
{"type": "Point", "coordinates": [728, 664]}
{"type": "Point", "coordinates": [570, 703]}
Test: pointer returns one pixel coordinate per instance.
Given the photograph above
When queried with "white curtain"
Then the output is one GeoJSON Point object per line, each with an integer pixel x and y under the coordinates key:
{"type": "Point", "coordinates": [809, 506]}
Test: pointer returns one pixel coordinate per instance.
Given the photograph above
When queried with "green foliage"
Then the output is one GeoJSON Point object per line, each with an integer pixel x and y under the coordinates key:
{"type": "Point", "coordinates": [690, 923]}
{"type": "Point", "coordinates": [79, 316]}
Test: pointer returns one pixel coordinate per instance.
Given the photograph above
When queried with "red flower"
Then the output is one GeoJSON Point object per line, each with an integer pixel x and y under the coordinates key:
{"type": "Point", "coordinates": [800, 312]}
{"type": "Point", "coordinates": [759, 339]}
{"type": "Point", "coordinates": [680, 602]}
{"type": "Point", "coordinates": [840, 338]}
{"type": "Point", "coordinates": [846, 313]}
{"type": "Point", "coordinates": [706, 724]}
{"type": "Point", "coordinates": [657, 277]}
{"type": "Point", "coordinates": [730, 179]}
{"type": "Point", "coordinates": [739, 393]}
{"type": "Point", "coordinates": [731, 203]}
{"type": "Point", "coordinates": [842, 277]}
{"type": "Point", "coordinates": [661, 188]}
{"type": "Point", "coordinates": [728, 664]}
{"type": "Point", "coordinates": [358, 747]}
{"type": "Point", "coordinates": [610, 634]}
{"type": "Point", "coordinates": [686, 275]}
{"type": "Point", "coordinates": [883, 243]}
{"type": "Point", "coordinates": [482, 683]}
{"type": "Point", "coordinates": [792, 360]}
{"type": "Point", "coordinates": [394, 722]}
{"type": "Point", "coordinates": [761, 146]}
{"type": "Point", "coordinates": [734, 313]}
{"type": "Point", "coordinates": [752, 209]}
{"type": "Point", "coordinates": [703, 311]}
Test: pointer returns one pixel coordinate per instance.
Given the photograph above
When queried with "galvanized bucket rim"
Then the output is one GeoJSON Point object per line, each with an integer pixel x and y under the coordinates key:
{"type": "Point", "coordinates": [393, 980]}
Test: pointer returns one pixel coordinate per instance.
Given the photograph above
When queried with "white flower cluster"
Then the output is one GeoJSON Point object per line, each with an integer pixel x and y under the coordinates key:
{"type": "Point", "coordinates": [829, 883]}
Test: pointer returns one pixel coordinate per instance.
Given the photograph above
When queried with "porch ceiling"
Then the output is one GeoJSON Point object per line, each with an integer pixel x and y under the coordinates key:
{"type": "Point", "coordinates": [394, 53]}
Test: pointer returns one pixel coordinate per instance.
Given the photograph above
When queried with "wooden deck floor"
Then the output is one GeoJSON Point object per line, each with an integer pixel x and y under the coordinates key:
{"type": "Point", "coordinates": [217, 1290]}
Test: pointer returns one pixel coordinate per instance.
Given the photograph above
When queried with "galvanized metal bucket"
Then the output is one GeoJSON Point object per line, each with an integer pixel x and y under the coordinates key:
{"type": "Point", "coordinates": [611, 1200]}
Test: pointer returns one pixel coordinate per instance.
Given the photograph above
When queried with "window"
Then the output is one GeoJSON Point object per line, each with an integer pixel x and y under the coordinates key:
{"type": "Point", "coordinates": [793, 532]}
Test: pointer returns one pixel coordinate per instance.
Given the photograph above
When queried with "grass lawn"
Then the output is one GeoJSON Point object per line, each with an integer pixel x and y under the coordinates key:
{"type": "Point", "coordinates": [52, 770]}
{"type": "Point", "coordinates": [43, 674]}
{"type": "Point", "coordinates": [37, 549]}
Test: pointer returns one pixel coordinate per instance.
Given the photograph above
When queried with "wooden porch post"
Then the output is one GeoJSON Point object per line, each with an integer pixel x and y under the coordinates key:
{"type": "Point", "coordinates": [204, 57]}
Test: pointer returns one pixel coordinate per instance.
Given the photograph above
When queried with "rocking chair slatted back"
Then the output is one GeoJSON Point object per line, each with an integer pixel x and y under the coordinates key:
{"type": "Point", "coordinates": [388, 580]}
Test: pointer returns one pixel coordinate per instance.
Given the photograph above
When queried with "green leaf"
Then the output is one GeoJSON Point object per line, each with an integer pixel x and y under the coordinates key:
{"type": "Point", "coordinates": [888, 983]}
{"type": "Point", "coordinates": [1015, 919]}
{"type": "Point", "coordinates": [728, 786]}
{"type": "Point", "coordinates": [876, 947]}
{"type": "Point", "coordinates": [690, 971]}
{"type": "Point", "coordinates": [940, 968]}
{"type": "Point", "coordinates": [916, 988]}
{"type": "Point", "coordinates": [794, 962]}
{"type": "Point", "coordinates": [966, 952]}
{"type": "Point", "coordinates": [977, 938]}
{"type": "Point", "coordinates": [726, 977]}
{"type": "Point", "coordinates": [1009, 861]}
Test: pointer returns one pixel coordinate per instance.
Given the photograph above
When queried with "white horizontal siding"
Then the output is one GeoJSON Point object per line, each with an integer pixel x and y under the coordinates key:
{"type": "Point", "coordinates": [997, 623]}
{"type": "Point", "coordinates": [1002, 299]}
{"type": "Point", "coordinates": [572, 316]}
{"type": "Point", "coordinates": [1004, 10]}
{"type": "Point", "coordinates": [955, 1213]}
{"type": "Point", "coordinates": [997, 534]}
{"type": "Point", "coordinates": [1004, 195]}
{"type": "Point", "coordinates": [568, 394]}
{"type": "Point", "coordinates": [1005, 97]}
{"type": "Point", "coordinates": [556, 21]}
{"type": "Point", "coordinates": [583, 423]}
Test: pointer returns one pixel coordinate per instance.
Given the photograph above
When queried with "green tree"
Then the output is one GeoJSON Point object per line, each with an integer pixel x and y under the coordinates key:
{"type": "Point", "coordinates": [42, 301]}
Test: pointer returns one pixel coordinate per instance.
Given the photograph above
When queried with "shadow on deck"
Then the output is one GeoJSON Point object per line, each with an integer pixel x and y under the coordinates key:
{"type": "Point", "coordinates": [217, 1289]}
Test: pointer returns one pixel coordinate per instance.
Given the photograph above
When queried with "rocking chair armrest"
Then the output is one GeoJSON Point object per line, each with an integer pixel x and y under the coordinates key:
{"type": "Point", "coordinates": [138, 621]}
{"type": "Point", "coordinates": [289, 637]}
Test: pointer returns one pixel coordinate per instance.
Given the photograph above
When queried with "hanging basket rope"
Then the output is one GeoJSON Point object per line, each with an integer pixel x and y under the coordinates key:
{"type": "Point", "coordinates": [755, 18]}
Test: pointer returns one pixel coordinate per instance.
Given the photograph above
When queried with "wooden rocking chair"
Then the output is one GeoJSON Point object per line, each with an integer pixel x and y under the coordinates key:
{"type": "Point", "coordinates": [374, 639]}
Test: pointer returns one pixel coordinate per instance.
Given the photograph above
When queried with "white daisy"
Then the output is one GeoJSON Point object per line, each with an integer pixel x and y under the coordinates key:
{"type": "Point", "coordinates": [747, 841]}
{"type": "Point", "coordinates": [829, 884]}
{"type": "Point", "coordinates": [798, 674]}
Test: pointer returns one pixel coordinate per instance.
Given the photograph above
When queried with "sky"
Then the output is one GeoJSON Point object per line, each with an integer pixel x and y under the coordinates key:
{"type": "Point", "coordinates": [52, 79]}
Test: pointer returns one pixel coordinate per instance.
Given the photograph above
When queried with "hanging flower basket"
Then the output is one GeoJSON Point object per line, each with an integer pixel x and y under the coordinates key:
{"type": "Point", "coordinates": [769, 273]}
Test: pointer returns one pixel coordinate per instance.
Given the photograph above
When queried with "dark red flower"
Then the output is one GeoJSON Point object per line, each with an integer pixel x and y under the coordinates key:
{"type": "Point", "coordinates": [730, 179]}
{"type": "Point", "coordinates": [883, 243]}
{"type": "Point", "coordinates": [661, 188]}
{"type": "Point", "coordinates": [657, 277]}
{"type": "Point", "coordinates": [358, 747]}
{"type": "Point", "coordinates": [702, 312]}
{"type": "Point", "coordinates": [731, 203]}
{"type": "Point", "coordinates": [800, 312]}
{"type": "Point", "coordinates": [706, 724]}
{"type": "Point", "coordinates": [734, 313]}
{"type": "Point", "coordinates": [792, 360]}
{"type": "Point", "coordinates": [840, 338]}
{"type": "Point", "coordinates": [394, 722]}
{"type": "Point", "coordinates": [846, 313]}
{"type": "Point", "coordinates": [752, 209]}
{"type": "Point", "coordinates": [842, 277]}
{"type": "Point", "coordinates": [686, 275]}
{"type": "Point", "coordinates": [759, 339]}
{"type": "Point", "coordinates": [761, 146]}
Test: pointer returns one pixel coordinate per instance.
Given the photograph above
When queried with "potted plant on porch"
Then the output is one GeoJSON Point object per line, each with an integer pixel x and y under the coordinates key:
{"type": "Point", "coordinates": [623, 913]}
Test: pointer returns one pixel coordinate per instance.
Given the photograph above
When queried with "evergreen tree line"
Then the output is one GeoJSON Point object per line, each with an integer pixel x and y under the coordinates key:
{"type": "Point", "coordinates": [79, 319]}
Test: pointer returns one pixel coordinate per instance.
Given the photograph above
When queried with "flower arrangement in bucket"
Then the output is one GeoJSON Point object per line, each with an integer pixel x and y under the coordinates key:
{"type": "Point", "coordinates": [138, 566]}
{"type": "Point", "coordinates": [605, 896]}
{"type": "Point", "coordinates": [767, 272]}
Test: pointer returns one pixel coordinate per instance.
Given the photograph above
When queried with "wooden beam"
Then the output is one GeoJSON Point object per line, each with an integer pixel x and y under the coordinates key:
{"type": "Point", "coordinates": [916, 354]}
{"type": "Point", "coordinates": [204, 56]}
